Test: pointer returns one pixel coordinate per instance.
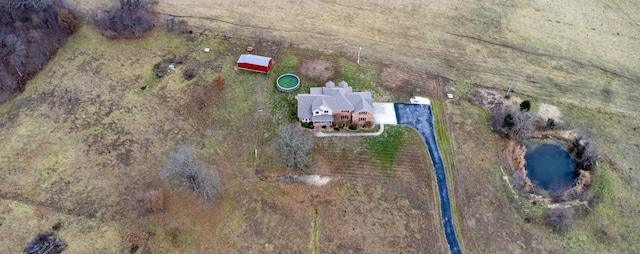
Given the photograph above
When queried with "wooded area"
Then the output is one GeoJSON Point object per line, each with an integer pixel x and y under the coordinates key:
{"type": "Point", "coordinates": [31, 32]}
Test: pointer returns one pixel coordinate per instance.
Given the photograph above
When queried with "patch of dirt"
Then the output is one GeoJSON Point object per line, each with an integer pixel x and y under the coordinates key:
{"type": "Point", "coordinates": [489, 99]}
{"type": "Point", "coordinates": [318, 70]}
{"type": "Point", "coordinates": [190, 74]}
{"type": "Point", "coordinates": [486, 99]}
{"type": "Point", "coordinates": [163, 67]}
{"type": "Point", "coordinates": [397, 81]}
{"type": "Point", "coordinates": [392, 78]}
{"type": "Point", "coordinates": [547, 111]}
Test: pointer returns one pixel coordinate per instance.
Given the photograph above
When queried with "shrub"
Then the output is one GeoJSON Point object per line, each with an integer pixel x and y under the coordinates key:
{"type": "Point", "coordinates": [585, 153]}
{"type": "Point", "coordinates": [46, 242]}
{"type": "Point", "coordinates": [218, 81]}
{"type": "Point", "coordinates": [151, 201]}
{"type": "Point", "coordinates": [67, 21]}
{"type": "Point", "coordinates": [551, 124]}
{"type": "Point", "coordinates": [512, 124]}
{"type": "Point", "coordinates": [560, 219]}
{"type": "Point", "coordinates": [129, 20]}
{"type": "Point", "coordinates": [525, 105]}
{"type": "Point", "coordinates": [184, 168]}
{"type": "Point", "coordinates": [137, 240]}
{"type": "Point", "coordinates": [508, 122]}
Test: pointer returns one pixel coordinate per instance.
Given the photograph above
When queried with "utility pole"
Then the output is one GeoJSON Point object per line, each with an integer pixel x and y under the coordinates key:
{"type": "Point", "coordinates": [510, 86]}
{"type": "Point", "coordinates": [359, 49]}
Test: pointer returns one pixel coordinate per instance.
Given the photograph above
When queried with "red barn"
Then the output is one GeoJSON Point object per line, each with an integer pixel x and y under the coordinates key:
{"type": "Point", "coordinates": [255, 63]}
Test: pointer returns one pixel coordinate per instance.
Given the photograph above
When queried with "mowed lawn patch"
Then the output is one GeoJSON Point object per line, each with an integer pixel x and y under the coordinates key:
{"type": "Point", "coordinates": [384, 149]}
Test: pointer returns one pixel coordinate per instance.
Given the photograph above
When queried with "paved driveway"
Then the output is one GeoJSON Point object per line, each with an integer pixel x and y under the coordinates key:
{"type": "Point", "coordinates": [419, 117]}
{"type": "Point", "coordinates": [384, 113]}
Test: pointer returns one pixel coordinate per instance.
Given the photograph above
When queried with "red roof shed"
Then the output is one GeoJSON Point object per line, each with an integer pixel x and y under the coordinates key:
{"type": "Point", "coordinates": [255, 63]}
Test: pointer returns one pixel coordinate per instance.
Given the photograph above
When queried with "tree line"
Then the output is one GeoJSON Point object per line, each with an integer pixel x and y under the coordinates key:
{"type": "Point", "coordinates": [31, 31]}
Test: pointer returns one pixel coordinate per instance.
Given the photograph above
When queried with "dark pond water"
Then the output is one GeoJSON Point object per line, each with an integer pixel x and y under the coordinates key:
{"type": "Point", "coordinates": [549, 166]}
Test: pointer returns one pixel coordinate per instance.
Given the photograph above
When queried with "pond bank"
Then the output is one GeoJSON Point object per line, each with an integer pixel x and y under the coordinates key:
{"type": "Point", "coordinates": [522, 183]}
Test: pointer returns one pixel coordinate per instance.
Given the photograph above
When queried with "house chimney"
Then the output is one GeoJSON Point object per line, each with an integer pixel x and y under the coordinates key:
{"type": "Point", "coordinates": [330, 84]}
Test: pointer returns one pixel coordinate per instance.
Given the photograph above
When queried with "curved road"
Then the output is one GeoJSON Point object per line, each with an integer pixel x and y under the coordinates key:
{"type": "Point", "coordinates": [419, 117]}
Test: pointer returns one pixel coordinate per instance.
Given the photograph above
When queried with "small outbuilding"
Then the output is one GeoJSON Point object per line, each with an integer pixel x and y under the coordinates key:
{"type": "Point", "coordinates": [255, 63]}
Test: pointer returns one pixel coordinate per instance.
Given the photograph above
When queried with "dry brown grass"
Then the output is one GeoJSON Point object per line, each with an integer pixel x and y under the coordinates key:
{"type": "Point", "coordinates": [106, 131]}
{"type": "Point", "coordinates": [553, 49]}
{"type": "Point", "coordinates": [85, 138]}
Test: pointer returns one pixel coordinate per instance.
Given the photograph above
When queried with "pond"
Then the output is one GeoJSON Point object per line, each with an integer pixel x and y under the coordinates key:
{"type": "Point", "coordinates": [549, 165]}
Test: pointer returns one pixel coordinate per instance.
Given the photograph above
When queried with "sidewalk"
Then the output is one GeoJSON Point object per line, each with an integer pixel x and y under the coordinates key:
{"type": "Point", "coordinates": [319, 133]}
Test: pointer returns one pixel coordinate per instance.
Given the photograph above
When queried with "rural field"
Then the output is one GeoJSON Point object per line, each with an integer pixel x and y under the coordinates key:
{"type": "Point", "coordinates": [96, 126]}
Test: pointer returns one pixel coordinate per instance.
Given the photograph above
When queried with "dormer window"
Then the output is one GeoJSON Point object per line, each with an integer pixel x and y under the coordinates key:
{"type": "Point", "coordinates": [326, 111]}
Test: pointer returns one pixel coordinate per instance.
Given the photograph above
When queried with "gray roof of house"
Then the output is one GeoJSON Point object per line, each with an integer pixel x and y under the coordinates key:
{"type": "Point", "coordinates": [335, 98]}
{"type": "Point", "coordinates": [360, 102]}
{"type": "Point", "coordinates": [304, 105]}
{"type": "Point", "coordinates": [334, 102]}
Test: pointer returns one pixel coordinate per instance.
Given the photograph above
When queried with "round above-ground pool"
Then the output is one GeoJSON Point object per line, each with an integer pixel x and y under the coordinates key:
{"type": "Point", "coordinates": [288, 82]}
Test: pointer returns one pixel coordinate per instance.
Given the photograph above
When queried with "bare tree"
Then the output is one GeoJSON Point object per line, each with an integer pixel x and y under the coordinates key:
{"type": "Point", "coordinates": [22, 4]}
{"type": "Point", "coordinates": [516, 123]}
{"type": "Point", "coordinates": [292, 147]}
{"type": "Point", "coordinates": [130, 20]}
{"type": "Point", "coordinates": [523, 125]}
{"type": "Point", "coordinates": [497, 121]}
{"type": "Point", "coordinates": [184, 168]}
{"type": "Point", "coordinates": [560, 219]}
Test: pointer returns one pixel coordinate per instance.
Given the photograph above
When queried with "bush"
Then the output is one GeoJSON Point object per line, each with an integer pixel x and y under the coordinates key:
{"type": "Point", "coordinates": [150, 201]}
{"type": "Point", "coordinates": [45, 243]}
{"type": "Point", "coordinates": [218, 81]}
{"type": "Point", "coordinates": [511, 124]}
{"type": "Point", "coordinates": [585, 153]}
{"type": "Point", "coordinates": [129, 20]}
{"type": "Point", "coordinates": [525, 106]}
{"type": "Point", "coordinates": [551, 124]}
{"type": "Point", "coordinates": [508, 122]}
{"type": "Point", "coordinates": [184, 168]}
{"type": "Point", "coordinates": [560, 219]}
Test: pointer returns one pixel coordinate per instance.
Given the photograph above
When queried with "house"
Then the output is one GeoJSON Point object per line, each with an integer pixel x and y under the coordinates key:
{"type": "Point", "coordinates": [324, 106]}
{"type": "Point", "coordinates": [255, 63]}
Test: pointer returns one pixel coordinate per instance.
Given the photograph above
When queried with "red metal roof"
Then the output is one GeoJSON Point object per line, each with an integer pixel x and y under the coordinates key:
{"type": "Point", "coordinates": [254, 59]}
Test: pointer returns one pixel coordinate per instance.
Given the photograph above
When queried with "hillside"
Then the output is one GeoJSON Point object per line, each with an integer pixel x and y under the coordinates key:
{"type": "Point", "coordinates": [585, 49]}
